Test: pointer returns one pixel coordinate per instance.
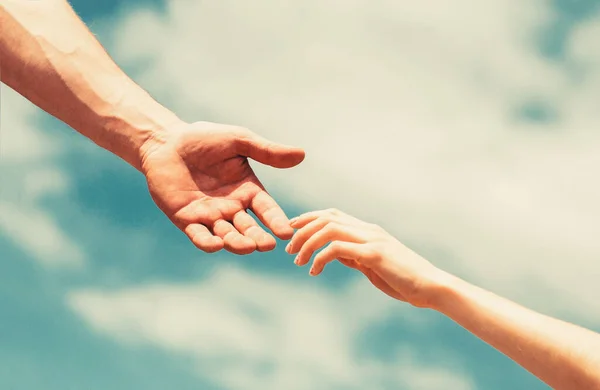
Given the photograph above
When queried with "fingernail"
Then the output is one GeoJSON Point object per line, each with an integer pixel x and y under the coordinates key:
{"type": "Point", "coordinates": [293, 220]}
{"type": "Point", "coordinates": [313, 272]}
{"type": "Point", "coordinates": [288, 248]}
{"type": "Point", "coordinates": [297, 261]}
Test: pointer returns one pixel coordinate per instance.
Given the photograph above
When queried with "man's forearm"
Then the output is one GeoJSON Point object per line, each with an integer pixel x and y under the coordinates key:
{"type": "Point", "coordinates": [49, 56]}
{"type": "Point", "coordinates": [563, 355]}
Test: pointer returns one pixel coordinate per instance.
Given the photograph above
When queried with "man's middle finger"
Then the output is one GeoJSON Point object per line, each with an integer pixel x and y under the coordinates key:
{"type": "Point", "coordinates": [247, 226]}
{"type": "Point", "coordinates": [233, 240]}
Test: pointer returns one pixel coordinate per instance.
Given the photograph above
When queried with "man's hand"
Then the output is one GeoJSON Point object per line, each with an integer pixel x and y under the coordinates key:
{"type": "Point", "coordinates": [200, 177]}
{"type": "Point", "coordinates": [389, 265]}
{"type": "Point", "coordinates": [198, 174]}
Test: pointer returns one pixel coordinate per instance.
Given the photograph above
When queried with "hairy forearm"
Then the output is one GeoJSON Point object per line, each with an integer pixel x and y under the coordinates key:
{"type": "Point", "coordinates": [563, 355]}
{"type": "Point", "coordinates": [49, 56]}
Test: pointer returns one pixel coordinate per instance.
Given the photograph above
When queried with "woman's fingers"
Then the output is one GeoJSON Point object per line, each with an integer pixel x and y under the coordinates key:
{"type": "Point", "coordinates": [330, 232]}
{"type": "Point", "coordinates": [304, 234]}
{"type": "Point", "coordinates": [304, 219]}
{"type": "Point", "coordinates": [348, 263]}
{"type": "Point", "coordinates": [351, 252]}
{"type": "Point", "coordinates": [316, 229]}
{"type": "Point", "coordinates": [310, 223]}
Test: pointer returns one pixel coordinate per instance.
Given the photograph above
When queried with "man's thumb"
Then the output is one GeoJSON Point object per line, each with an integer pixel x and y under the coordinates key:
{"type": "Point", "coordinates": [268, 152]}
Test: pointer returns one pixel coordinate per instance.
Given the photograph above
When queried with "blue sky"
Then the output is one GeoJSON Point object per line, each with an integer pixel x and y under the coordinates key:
{"type": "Point", "coordinates": [467, 131]}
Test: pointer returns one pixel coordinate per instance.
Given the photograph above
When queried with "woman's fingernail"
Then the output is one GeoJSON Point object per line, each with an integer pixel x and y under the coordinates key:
{"type": "Point", "coordinates": [297, 261]}
{"type": "Point", "coordinates": [313, 272]}
{"type": "Point", "coordinates": [288, 248]}
{"type": "Point", "coordinates": [293, 220]}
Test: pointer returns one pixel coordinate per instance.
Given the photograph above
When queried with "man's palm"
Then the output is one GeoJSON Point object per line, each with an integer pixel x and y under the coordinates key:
{"type": "Point", "coordinates": [200, 177]}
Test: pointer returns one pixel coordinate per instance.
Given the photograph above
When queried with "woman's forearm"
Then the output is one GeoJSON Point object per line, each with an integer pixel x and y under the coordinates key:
{"type": "Point", "coordinates": [49, 56]}
{"type": "Point", "coordinates": [563, 355]}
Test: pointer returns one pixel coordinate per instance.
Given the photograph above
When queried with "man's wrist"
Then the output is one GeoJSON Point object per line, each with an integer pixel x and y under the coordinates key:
{"type": "Point", "coordinates": [134, 123]}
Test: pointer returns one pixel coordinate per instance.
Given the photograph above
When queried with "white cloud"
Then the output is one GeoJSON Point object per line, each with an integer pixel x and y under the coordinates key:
{"type": "Point", "coordinates": [407, 113]}
{"type": "Point", "coordinates": [21, 141]}
{"type": "Point", "coordinates": [38, 235]}
{"type": "Point", "coordinates": [418, 376]}
{"type": "Point", "coordinates": [249, 331]}
{"type": "Point", "coordinates": [29, 173]}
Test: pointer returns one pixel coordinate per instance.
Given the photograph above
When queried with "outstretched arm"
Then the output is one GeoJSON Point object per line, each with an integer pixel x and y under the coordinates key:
{"type": "Point", "coordinates": [48, 55]}
{"type": "Point", "coordinates": [563, 355]}
{"type": "Point", "coordinates": [198, 174]}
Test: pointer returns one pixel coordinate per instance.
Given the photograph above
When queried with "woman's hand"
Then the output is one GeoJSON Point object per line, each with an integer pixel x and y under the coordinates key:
{"type": "Point", "coordinates": [389, 265]}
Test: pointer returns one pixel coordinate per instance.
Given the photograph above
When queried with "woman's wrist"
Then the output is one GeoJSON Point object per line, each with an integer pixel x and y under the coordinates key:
{"type": "Point", "coordinates": [440, 291]}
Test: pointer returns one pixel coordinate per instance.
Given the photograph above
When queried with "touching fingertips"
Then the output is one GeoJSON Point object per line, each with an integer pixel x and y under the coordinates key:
{"type": "Point", "coordinates": [283, 231]}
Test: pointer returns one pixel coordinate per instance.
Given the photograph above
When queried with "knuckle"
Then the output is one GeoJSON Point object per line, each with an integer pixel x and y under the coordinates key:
{"type": "Point", "coordinates": [372, 252]}
{"type": "Point", "coordinates": [331, 228]}
{"type": "Point", "coordinates": [333, 211]}
{"type": "Point", "coordinates": [269, 151]}
{"type": "Point", "coordinates": [335, 247]}
{"type": "Point", "coordinates": [380, 246]}
{"type": "Point", "coordinates": [241, 131]}
{"type": "Point", "coordinates": [322, 220]}
{"type": "Point", "coordinates": [241, 135]}
{"type": "Point", "coordinates": [374, 226]}
{"type": "Point", "coordinates": [202, 125]}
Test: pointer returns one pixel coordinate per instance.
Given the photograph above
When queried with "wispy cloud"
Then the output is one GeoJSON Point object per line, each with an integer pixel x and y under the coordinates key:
{"type": "Point", "coordinates": [446, 124]}
{"type": "Point", "coordinates": [29, 174]}
{"type": "Point", "coordinates": [250, 331]}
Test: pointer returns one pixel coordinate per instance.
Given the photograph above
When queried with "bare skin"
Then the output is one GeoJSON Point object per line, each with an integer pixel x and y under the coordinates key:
{"type": "Point", "coordinates": [563, 355]}
{"type": "Point", "coordinates": [198, 173]}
